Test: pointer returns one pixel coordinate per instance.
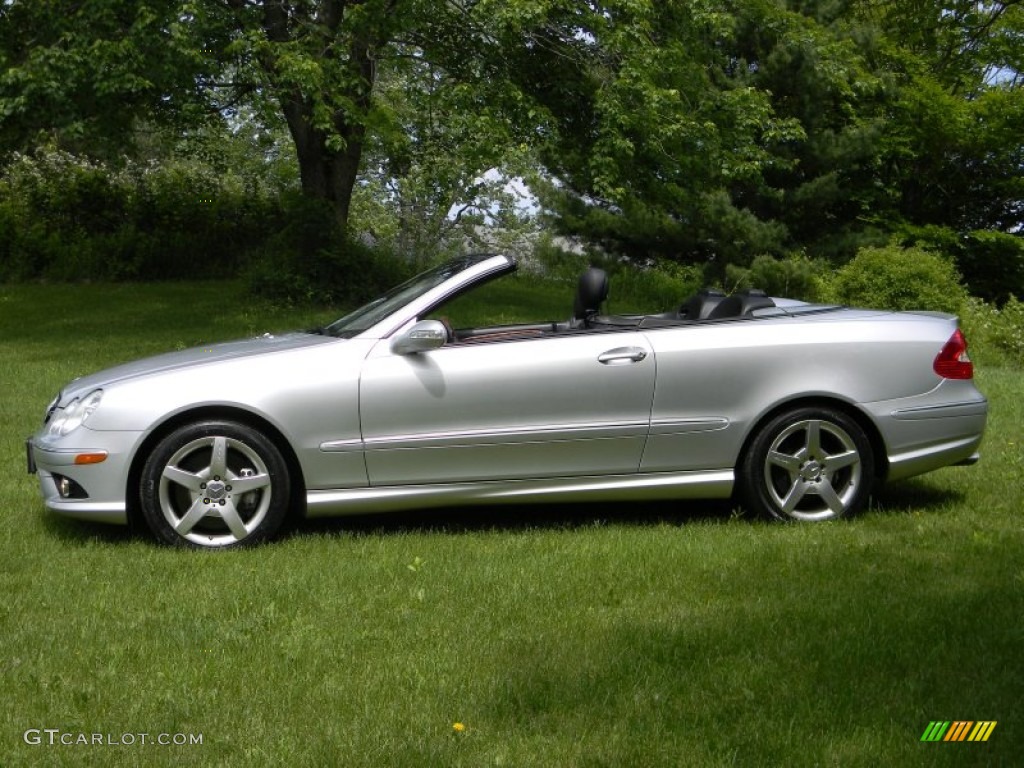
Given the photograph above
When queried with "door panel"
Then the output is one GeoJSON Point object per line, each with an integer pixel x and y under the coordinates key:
{"type": "Point", "coordinates": [539, 407]}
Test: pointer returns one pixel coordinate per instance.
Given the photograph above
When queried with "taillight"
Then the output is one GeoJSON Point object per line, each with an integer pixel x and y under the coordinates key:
{"type": "Point", "coordinates": [953, 362]}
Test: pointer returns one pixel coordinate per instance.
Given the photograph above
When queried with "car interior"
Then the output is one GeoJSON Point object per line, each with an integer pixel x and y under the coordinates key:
{"type": "Point", "coordinates": [592, 288]}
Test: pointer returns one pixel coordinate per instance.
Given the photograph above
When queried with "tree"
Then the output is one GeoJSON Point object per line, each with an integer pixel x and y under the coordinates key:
{"type": "Point", "coordinates": [317, 63]}
{"type": "Point", "coordinates": [448, 112]}
{"type": "Point", "coordinates": [87, 72]}
{"type": "Point", "coordinates": [80, 75]}
{"type": "Point", "coordinates": [660, 131]}
{"type": "Point", "coordinates": [954, 155]}
{"type": "Point", "coordinates": [694, 131]}
{"type": "Point", "coordinates": [716, 134]}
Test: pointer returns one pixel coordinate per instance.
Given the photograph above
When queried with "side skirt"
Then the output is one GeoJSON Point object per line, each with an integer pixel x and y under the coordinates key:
{"type": "Point", "coordinates": [709, 484]}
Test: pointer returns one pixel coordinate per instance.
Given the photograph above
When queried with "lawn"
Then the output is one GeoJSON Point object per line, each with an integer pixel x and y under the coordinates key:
{"type": "Point", "coordinates": [606, 635]}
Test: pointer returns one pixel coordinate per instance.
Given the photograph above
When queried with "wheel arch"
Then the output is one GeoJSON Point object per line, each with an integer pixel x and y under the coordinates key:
{"type": "Point", "coordinates": [297, 502]}
{"type": "Point", "coordinates": [874, 435]}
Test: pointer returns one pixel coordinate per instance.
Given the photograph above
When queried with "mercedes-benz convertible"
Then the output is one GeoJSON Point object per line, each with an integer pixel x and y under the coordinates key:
{"type": "Point", "coordinates": [798, 410]}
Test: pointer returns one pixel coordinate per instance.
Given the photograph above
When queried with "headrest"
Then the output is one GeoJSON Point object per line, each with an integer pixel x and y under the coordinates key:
{"type": "Point", "coordinates": [591, 291]}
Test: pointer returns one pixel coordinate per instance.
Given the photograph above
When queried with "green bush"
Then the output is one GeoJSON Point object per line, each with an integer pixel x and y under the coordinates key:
{"type": "Point", "coordinates": [991, 262]}
{"type": "Point", "coordinates": [556, 262]}
{"type": "Point", "coordinates": [793, 277]}
{"type": "Point", "coordinates": [309, 261]}
{"type": "Point", "coordinates": [899, 279]}
{"type": "Point", "coordinates": [67, 218]}
{"type": "Point", "coordinates": [657, 287]}
{"type": "Point", "coordinates": [996, 334]}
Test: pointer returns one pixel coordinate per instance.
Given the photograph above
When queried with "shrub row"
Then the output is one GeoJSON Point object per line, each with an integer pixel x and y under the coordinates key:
{"type": "Point", "coordinates": [906, 278]}
{"type": "Point", "coordinates": [996, 334]}
{"type": "Point", "coordinates": [991, 263]}
{"type": "Point", "coordinates": [66, 218]}
{"type": "Point", "coordinates": [307, 261]}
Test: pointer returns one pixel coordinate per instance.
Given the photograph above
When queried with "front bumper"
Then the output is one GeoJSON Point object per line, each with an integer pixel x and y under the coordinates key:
{"type": "Point", "coordinates": [73, 478]}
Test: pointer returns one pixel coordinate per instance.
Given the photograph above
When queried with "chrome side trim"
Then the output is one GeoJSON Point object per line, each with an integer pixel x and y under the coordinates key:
{"type": "Point", "coordinates": [508, 435]}
{"type": "Point", "coordinates": [709, 484]}
{"type": "Point", "coordinates": [942, 410]}
{"type": "Point", "coordinates": [342, 446]}
{"type": "Point", "coordinates": [680, 426]}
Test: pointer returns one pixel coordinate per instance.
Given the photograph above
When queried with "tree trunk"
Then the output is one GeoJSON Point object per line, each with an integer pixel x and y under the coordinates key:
{"type": "Point", "coordinates": [326, 174]}
{"type": "Point", "coordinates": [328, 160]}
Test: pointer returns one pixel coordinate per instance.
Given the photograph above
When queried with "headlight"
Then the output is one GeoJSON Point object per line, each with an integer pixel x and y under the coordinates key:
{"type": "Point", "coordinates": [75, 414]}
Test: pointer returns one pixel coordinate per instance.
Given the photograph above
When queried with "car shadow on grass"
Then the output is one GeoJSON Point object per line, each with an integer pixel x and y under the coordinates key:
{"type": "Point", "coordinates": [473, 519]}
{"type": "Point", "coordinates": [904, 497]}
{"type": "Point", "coordinates": [450, 520]}
{"type": "Point", "coordinates": [914, 495]}
{"type": "Point", "coordinates": [72, 531]}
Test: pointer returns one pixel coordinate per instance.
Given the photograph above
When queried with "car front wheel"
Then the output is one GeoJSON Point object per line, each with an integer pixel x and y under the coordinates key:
{"type": "Point", "coordinates": [808, 464]}
{"type": "Point", "coordinates": [215, 484]}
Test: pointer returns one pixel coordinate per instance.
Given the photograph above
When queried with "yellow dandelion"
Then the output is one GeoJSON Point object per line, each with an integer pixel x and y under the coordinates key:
{"type": "Point", "coordinates": [458, 727]}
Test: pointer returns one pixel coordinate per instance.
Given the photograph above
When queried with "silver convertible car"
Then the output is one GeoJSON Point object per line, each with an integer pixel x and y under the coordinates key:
{"type": "Point", "coordinates": [796, 409]}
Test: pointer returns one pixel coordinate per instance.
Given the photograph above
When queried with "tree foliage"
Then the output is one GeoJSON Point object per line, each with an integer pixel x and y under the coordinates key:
{"type": "Point", "coordinates": [80, 74]}
{"type": "Point", "coordinates": [697, 131]}
{"type": "Point", "coordinates": [316, 64]}
{"type": "Point", "coordinates": [440, 164]}
{"type": "Point", "coordinates": [726, 132]}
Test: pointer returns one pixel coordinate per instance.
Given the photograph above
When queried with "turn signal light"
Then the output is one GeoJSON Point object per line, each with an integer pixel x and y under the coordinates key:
{"type": "Point", "coordinates": [953, 362]}
{"type": "Point", "coordinates": [91, 458]}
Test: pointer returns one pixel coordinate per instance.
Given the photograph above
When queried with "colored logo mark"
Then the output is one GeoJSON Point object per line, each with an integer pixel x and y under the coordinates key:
{"type": "Point", "coordinates": [958, 730]}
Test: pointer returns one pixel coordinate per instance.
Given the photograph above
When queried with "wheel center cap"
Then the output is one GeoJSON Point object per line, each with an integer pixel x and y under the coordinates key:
{"type": "Point", "coordinates": [216, 490]}
{"type": "Point", "coordinates": [811, 471]}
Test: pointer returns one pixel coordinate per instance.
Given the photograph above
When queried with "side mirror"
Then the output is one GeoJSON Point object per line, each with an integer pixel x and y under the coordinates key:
{"type": "Point", "coordinates": [422, 337]}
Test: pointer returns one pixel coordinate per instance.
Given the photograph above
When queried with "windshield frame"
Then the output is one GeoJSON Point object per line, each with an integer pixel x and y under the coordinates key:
{"type": "Point", "coordinates": [390, 311]}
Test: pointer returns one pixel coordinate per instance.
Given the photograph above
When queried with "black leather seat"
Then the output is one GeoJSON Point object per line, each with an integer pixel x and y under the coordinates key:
{"type": "Point", "coordinates": [741, 304]}
{"type": "Point", "coordinates": [700, 305]}
{"type": "Point", "coordinates": [591, 291]}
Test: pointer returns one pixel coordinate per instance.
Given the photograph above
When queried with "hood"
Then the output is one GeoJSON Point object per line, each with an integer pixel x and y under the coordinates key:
{"type": "Point", "coordinates": [209, 353]}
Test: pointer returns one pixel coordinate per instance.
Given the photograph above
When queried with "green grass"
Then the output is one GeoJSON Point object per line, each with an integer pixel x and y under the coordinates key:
{"type": "Point", "coordinates": [607, 635]}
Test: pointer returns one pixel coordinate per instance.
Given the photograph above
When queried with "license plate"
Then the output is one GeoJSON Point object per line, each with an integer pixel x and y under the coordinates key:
{"type": "Point", "coordinates": [30, 457]}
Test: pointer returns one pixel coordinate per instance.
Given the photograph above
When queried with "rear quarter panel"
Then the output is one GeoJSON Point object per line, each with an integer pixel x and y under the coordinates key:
{"type": "Point", "coordinates": [715, 382]}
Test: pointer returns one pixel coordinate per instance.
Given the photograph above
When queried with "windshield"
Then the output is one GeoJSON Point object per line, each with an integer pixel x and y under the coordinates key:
{"type": "Point", "coordinates": [370, 314]}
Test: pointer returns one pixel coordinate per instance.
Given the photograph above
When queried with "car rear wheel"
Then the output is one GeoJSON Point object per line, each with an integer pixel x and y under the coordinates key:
{"type": "Point", "coordinates": [215, 484]}
{"type": "Point", "coordinates": [808, 464]}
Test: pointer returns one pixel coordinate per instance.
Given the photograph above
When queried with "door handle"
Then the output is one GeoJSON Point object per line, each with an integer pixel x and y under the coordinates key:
{"type": "Point", "coordinates": [622, 356]}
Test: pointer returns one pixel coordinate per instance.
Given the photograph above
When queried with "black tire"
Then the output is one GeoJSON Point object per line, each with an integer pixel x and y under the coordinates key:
{"type": "Point", "coordinates": [214, 485]}
{"type": "Point", "coordinates": [807, 464]}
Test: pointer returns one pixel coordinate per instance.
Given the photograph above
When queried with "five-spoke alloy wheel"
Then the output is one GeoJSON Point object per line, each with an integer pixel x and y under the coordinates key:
{"type": "Point", "coordinates": [215, 484]}
{"type": "Point", "coordinates": [808, 464]}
